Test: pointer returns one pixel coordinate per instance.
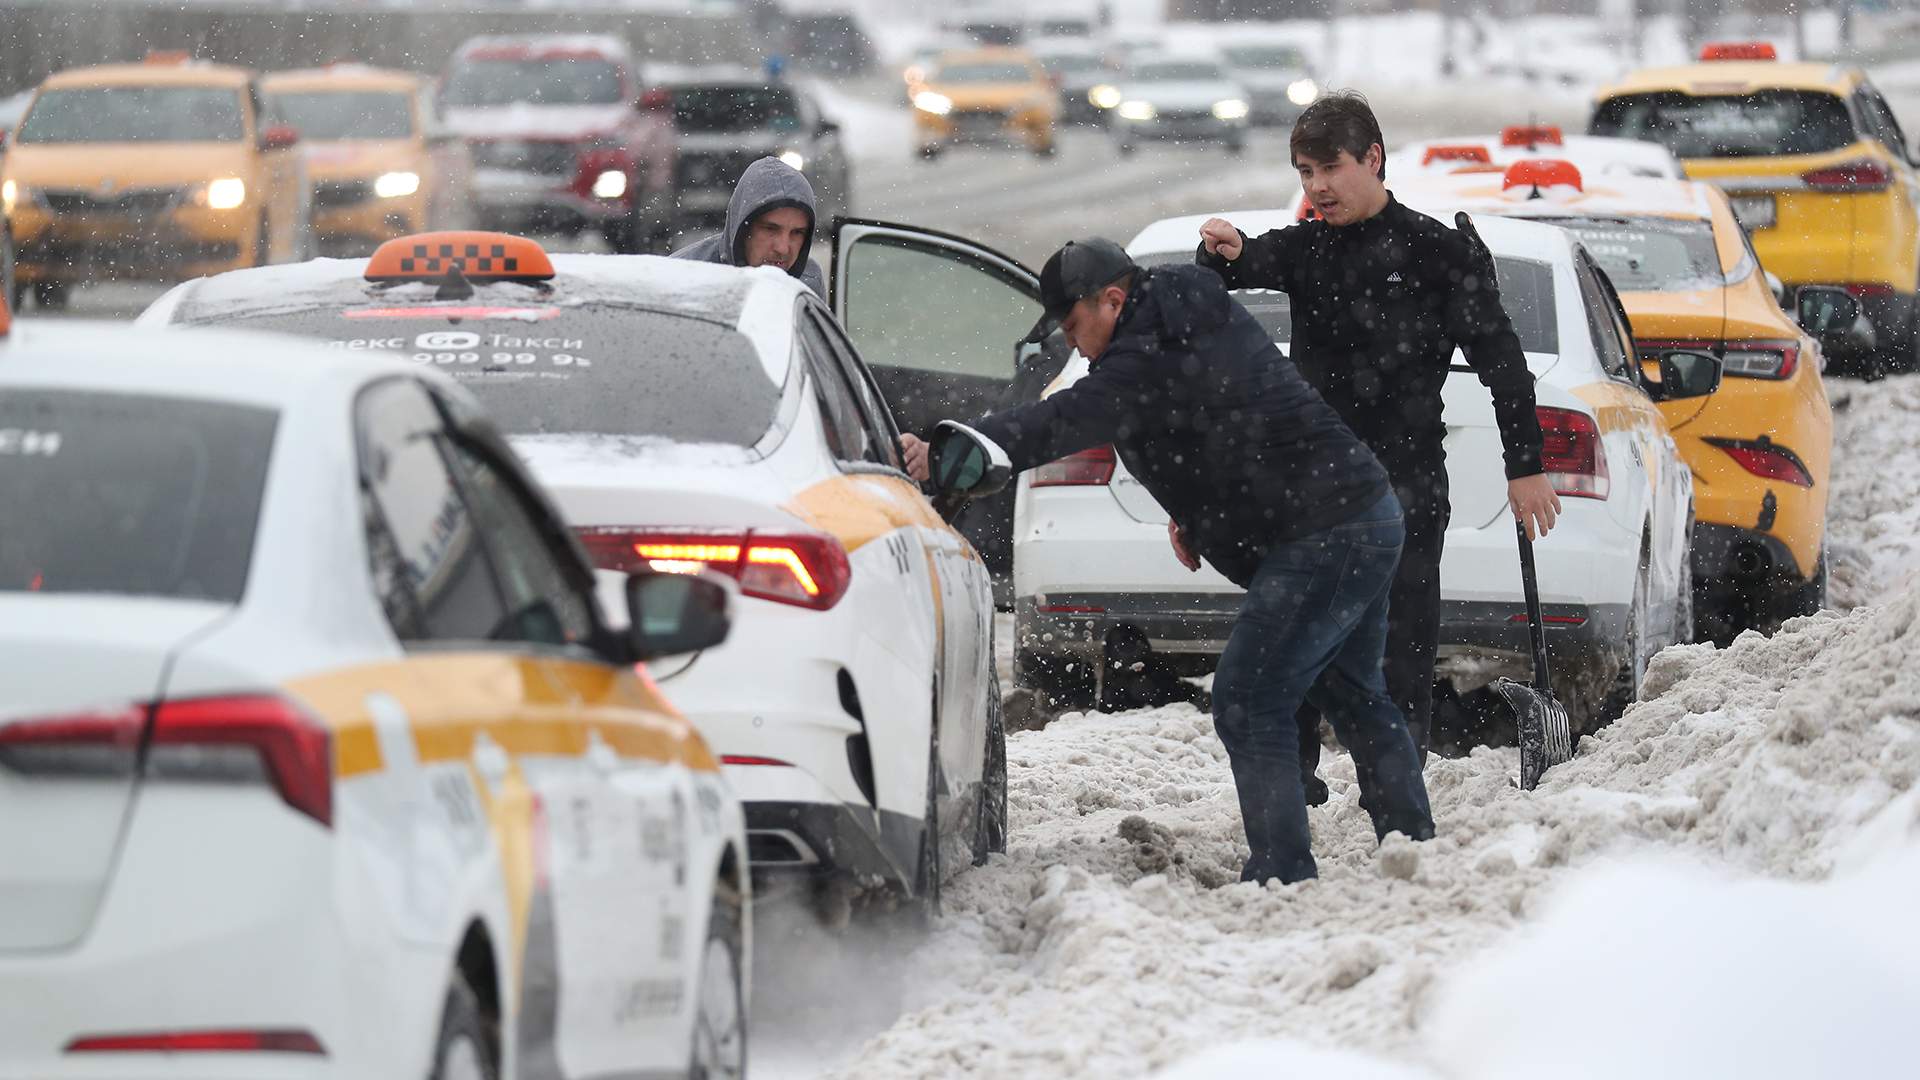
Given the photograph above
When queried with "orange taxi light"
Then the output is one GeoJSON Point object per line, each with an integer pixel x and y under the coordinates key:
{"type": "Point", "coordinates": [477, 255]}
{"type": "Point", "coordinates": [171, 57]}
{"type": "Point", "coordinates": [6, 317]}
{"type": "Point", "coordinates": [1739, 50]}
{"type": "Point", "coordinates": [1456, 153]}
{"type": "Point", "coordinates": [1531, 135]}
{"type": "Point", "coordinates": [1543, 172]}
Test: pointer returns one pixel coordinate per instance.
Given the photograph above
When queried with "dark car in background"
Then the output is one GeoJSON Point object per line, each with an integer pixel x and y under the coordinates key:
{"type": "Point", "coordinates": [1079, 69]}
{"type": "Point", "coordinates": [829, 41]}
{"type": "Point", "coordinates": [1278, 78]}
{"type": "Point", "coordinates": [727, 119]}
{"type": "Point", "coordinates": [563, 139]}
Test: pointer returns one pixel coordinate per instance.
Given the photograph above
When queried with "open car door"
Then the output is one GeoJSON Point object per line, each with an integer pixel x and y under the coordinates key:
{"type": "Point", "coordinates": [938, 318]}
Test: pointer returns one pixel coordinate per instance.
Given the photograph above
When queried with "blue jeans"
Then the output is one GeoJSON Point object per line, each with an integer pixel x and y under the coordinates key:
{"type": "Point", "coordinates": [1314, 628]}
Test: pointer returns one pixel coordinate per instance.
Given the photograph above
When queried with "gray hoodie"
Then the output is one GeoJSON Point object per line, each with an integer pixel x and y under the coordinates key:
{"type": "Point", "coordinates": [768, 184]}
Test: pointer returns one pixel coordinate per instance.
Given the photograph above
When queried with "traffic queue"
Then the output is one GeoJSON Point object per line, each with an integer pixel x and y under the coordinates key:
{"type": "Point", "coordinates": [476, 630]}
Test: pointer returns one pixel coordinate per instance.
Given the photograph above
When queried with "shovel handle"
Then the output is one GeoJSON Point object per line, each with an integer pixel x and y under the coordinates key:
{"type": "Point", "coordinates": [1536, 628]}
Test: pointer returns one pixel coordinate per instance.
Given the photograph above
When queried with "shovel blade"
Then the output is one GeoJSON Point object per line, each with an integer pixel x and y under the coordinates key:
{"type": "Point", "coordinates": [1546, 737]}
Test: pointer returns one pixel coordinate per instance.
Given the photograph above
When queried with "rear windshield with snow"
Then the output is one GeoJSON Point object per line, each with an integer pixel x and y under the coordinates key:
{"type": "Point", "coordinates": [130, 495]}
{"type": "Point", "coordinates": [1526, 292]}
{"type": "Point", "coordinates": [1651, 254]}
{"type": "Point", "coordinates": [1761, 124]}
{"type": "Point", "coordinates": [484, 82]}
{"type": "Point", "coordinates": [542, 369]}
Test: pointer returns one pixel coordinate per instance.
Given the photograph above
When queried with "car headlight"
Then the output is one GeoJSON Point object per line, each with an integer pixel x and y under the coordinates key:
{"type": "Point", "coordinates": [1230, 109]}
{"type": "Point", "coordinates": [1137, 110]}
{"type": "Point", "coordinates": [610, 184]}
{"type": "Point", "coordinates": [394, 185]}
{"type": "Point", "coordinates": [1104, 96]}
{"type": "Point", "coordinates": [1303, 92]}
{"type": "Point", "coordinates": [929, 102]}
{"type": "Point", "coordinates": [794, 159]}
{"type": "Point", "coordinates": [226, 193]}
{"type": "Point", "coordinates": [9, 194]}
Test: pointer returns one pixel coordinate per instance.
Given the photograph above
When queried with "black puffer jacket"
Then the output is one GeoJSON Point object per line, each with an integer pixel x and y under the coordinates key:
{"type": "Point", "coordinates": [1211, 418]}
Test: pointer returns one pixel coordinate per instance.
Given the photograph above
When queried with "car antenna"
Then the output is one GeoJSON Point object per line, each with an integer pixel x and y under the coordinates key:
{"type": "Point", "coordinates": [454, 286]}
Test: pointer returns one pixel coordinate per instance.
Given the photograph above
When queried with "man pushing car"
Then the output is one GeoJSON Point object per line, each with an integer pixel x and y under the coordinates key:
{"type": "Point", "coordinates": [1260, 477]}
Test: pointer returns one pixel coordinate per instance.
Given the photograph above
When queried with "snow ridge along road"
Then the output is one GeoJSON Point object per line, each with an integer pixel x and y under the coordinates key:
{"type": "Point", "coordinates": [1105, 943]}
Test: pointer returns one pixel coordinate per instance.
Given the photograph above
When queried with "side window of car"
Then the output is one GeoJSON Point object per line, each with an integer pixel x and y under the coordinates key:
{"type": "Point", "coordinates": [427, 562]}
{"type": "Point", "coordinates": [839, 411]}
{"type": "Point", "coordinates": [1884, 124]}
{"type": "Point", "coordinates": [883, 441]}
{"type": "Point", "coordinates": [1601, 320]}
{"type": "Point", "coordinates": [542, 606]}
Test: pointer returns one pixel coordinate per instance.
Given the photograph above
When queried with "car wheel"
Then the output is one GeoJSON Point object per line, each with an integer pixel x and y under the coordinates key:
{"type": "Point", "coordinates": [930, 152]}
{"type": "Point", "coordinates": [720, 1025]}
{"type": "Point", "coordinates": [1236, 147]}
{"type": "Point", "coordinates": [927, 878]}
{"type": "Point", "coordinates": [466, 1048]}
{"type": "Point", "coordinates": [1810, 597]}
{"type": "Point", "coordinates": [990, 815]}
{"type": "Point", "coordinates": [263, 241]}
{"type": "Point", "coordinates": [1683, 610]}
{"type": "Point", "coordinates": [1126, 149]}
{"type": "Point", "coordinates": [51, 295]}
{"type": "Point", "coordinates": [1046, 150]}
{"type": "Point", "coordinates": [1626, 684]}
{"type": "Point", "coordinates": [1061, 682]}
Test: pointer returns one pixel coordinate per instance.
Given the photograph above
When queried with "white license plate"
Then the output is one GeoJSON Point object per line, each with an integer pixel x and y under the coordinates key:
{"type": "Point", "coordinates": [1754, 211]}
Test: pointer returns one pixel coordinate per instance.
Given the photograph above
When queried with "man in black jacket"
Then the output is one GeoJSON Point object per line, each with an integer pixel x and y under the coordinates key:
{"type": "Point", "coordinates": [1260, 478]}
{"type": "Point", "coordinates": [1382, 296]}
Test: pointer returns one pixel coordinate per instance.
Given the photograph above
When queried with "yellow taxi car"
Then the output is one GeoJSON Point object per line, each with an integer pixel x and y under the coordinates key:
{"type": "Point", "coordinates": [165, 170]}
{"type": "Point", "coordinates": [986, 96]}
{"type": "Point", "coordinates": [380, 164]}
{"type": "Point", "coordinates": [1818, 170]}
{"type": "Point", "coordinates": [1689, 281]}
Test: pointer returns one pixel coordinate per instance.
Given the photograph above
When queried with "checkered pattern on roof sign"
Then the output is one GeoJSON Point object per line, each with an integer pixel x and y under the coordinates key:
{"type": "Point", "coordinates": [438, 258]}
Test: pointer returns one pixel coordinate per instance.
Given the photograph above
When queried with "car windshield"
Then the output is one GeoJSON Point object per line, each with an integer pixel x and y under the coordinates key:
{"type": "Point", "coordinates": [1526, 292]}
{"type": "Point", "coordinates": [479, 83]}
{"type": "Point", "coordinates": [334, 115]}
{"type": "Point", "coordinates": [1178, 72]}
{"type": "Point", "coordinates": [985, 73]}
{"type": "Point", "coordinates": [1280, 57]}
{"type": "Point", "coordinates": [1070, 63]}
{"type": "Point", "coordinates": [132, 495]}
{"type": "Point", "coordinates": [598, 370]}
{"type": "Point", "coordinates": [1651, 254]}
{"type": "Point", "coordinates": [1760, 124]}
{"type": "Point", "coordinates": [109, 114]}
{"type": "Point", "coordinates": [713, 110]}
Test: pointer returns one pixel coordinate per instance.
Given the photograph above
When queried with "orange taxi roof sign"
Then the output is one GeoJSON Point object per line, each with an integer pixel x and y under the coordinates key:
{"type": "Point", "coordinates": [6, 317]}
{"type": "Point", "coordinates": [1531, 135]}
{"type": "Point", "coordinates": [488, 256]}
{"type": "Point", "coordinates": [1471, 153]}
{"type": "Point", "coordinates": [1739, 50]}
{"type": "Point", "coordinates": [171, 57]}
{"type": "Point", "coordinates": [1543, 172]}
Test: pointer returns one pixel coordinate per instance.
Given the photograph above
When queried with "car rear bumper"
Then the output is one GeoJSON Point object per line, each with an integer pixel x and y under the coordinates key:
{"type": "Point", "coordinates": [1729, 554]}
{"type": "Point", "coordinates": [514, 201]}
{"type": "Point", "coordinates": [981, 127]}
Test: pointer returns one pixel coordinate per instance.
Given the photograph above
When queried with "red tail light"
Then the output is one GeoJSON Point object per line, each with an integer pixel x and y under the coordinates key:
{"type": "Point", "coordinates": [1745, 359]}
{"type": "Point", "coordinates": [1865, 289]}
{"type": "Point", "coordinates": [1571, 454]}
{"type": "Point", "coordinates": [1088, 468]}
{"type": "Point", "coordinates": [270, 734]}
{"type": "Point", "coordinates": [749, 759]}
{"type": "Point", "coordinates": [1764, 458]}
{"type": "Point", "coordinates": [102, 742]}
{"type": "Point", "coordinates": [805, 569]}
{"type": "Point", "coordinates": [1854, 176]}
{"type": "Point", "coordinates": [188, 1042]}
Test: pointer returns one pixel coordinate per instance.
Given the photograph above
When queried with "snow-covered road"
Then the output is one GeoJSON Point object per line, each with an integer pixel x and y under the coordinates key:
{"type": "Point", "coordinates": [1112, 939]}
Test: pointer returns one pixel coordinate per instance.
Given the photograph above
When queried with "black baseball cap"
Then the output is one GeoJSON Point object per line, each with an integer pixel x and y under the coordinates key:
{"type": "Point", "coordinates": [1075, 272]}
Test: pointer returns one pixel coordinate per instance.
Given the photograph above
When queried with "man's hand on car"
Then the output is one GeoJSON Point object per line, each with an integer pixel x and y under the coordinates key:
{"type": "Point", "coordinates": [915, 450]}
{"type": "Point", "coordinates": [1180, 549]}
{"type": "Point", "coordinates": [1534, 503]}
{"type": "Point", "coordinates": [1221, 238]}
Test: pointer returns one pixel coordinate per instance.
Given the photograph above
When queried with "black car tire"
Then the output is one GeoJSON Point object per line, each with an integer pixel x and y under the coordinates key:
{"type": "Point", "coordinates": [466, 1048]}
{"type": "Point", "coordinates": [930, 872]}
{"type": "Point", "coordinates": [721, 1054]}
{"type": "Point", "coordinates": [1062, 683]}
{"type": "Point", "coordinates": [990, 815]}
{"type": "Point", "coordinates": [52, 295]}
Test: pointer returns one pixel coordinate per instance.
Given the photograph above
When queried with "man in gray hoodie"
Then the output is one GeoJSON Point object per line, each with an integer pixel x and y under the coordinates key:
{"type": "Point", "coordinates": [769, 223]}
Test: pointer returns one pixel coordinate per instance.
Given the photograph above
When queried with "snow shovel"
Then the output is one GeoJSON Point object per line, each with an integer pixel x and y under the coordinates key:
{"type": "Point", "coordinates": [1546, 739]}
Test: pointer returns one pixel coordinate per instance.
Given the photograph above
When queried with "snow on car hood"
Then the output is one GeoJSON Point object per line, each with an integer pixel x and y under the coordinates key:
{"type": "Point", "coordinates": [1183, 95]}
{"type": "Point", "coordinates": [524, 121]}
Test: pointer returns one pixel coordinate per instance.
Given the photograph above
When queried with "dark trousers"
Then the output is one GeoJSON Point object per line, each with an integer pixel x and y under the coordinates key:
{"type": "Point", "coordinates": [1313, 627]}
{"type": "Point", "coordinates": [1413, 620]}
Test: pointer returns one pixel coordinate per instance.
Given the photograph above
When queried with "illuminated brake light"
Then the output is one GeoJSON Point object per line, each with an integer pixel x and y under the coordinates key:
{"type": "Point", "coordinates": [267, 735]}
{"type": "Point", "coordinates": [1088, 468]}
{"type": "Point", "coordinates": [801, 568]}
{"type": "Point", "coordinates": [192, 1042]}
{"type": "Point", "coordinates": [1849, 177]}
{"type": "Point", "coordinates": [1764, 458]}
{"type": "Point", "coordinates": [1571, 454]}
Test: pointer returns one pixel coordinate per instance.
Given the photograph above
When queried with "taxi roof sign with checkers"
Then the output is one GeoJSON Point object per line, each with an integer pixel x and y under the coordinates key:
{"type": "Point", "coordinates": [490, 256]}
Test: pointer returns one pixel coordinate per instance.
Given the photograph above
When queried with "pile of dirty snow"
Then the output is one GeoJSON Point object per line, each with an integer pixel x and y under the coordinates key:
{"type": "Point", "coordinates": [1873, 505]}
{"type": "Point", "coordinates": [1114, 939]}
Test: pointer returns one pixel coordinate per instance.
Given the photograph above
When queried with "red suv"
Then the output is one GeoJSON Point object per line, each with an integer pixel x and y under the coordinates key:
{"type": "Point", "coordinates": [563, 138]}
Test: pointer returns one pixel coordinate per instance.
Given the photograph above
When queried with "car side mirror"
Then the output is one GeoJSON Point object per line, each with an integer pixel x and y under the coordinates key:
{"type": "Point", "coordinates": [1825, 311]}
{"type": "Point", "coordinates": [280, 137]}
{"type": "Point", "coordinates": [1686, 375]}
{"type": "Point", "coordinates": [965, 464]}
{"type": "Point", "coordinates": [671, 614]}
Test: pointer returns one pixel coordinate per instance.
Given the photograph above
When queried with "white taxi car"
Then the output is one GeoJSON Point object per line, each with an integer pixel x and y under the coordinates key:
{"type": "Point", "coordinates": [316, 758]}
{"type": "Point", "coordinates": [1090, 545]}
{"type": "Point", "coordinates": [692, 416]}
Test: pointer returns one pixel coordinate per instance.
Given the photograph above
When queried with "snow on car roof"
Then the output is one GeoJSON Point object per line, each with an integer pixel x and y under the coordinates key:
{"type": "Point", "coordinates": [543, 45]}
{"type": "Point", "coordinates": [203, 364]}
{"type": "Point", "coordinates": [1504, 236]}
{"type": "Point", "coordinates": [1615, 196]}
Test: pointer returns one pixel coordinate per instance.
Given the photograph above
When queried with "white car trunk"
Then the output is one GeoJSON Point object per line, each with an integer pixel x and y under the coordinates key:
{"type": "Point", "coordinates": [80, 673]}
